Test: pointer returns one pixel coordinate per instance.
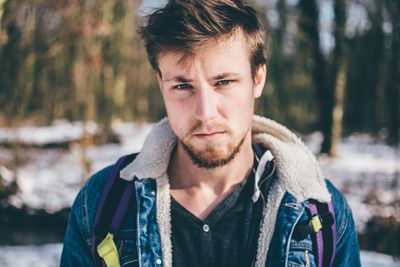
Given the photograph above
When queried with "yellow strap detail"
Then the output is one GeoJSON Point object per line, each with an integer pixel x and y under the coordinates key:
{"type": "Point", "coordinates": [316, 224]}
{"type": "Point", "coordinates": [108, 251]}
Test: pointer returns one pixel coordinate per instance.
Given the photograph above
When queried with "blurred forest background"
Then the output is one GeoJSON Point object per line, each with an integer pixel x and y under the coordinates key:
{"type": "Point", "coordinates": [333, 67]}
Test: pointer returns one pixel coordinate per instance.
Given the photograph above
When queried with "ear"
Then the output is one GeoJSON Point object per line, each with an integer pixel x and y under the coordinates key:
{"type": "Point", "coordinates": [259, 80]}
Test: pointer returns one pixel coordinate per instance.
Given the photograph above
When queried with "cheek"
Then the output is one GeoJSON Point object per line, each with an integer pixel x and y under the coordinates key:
{"type": "Point", "coordinates": [176, 102]}
{"type": "Point", "coordinates": [172, 105]}
{"type": "Point", "coordinates": [179, 119]}
{"type": "Point", "coordinates": [177, 125]}
{"type": "Point", "coordinates": [241, 102]}
{"type": "Point", "coordinates": [239, 110]}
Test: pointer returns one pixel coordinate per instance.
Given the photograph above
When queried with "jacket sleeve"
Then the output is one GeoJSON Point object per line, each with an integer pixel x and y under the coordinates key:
{"type": "Point", "coordinates": [347, 249]}
{"type": "Point", "coordinates": [76, 250]}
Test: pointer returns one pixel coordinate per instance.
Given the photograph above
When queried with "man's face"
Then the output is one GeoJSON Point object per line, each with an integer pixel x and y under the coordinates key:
{"type": "Point", "coordinates": [209, 99]}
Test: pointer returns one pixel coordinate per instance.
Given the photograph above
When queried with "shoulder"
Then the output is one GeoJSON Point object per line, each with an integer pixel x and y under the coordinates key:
{"type": "Point", "coordinates": [96, 182]}
{"type": "Point", "coordinates": [336, 195]}
{"type": "Point", "coordinates": [337, 198]}
{"type": "Point", "coordinates": [343, 213]}
{"type": "Point", "coordinates": [85, 204]}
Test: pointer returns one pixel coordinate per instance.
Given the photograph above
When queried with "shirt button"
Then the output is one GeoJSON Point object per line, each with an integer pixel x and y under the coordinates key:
{"type": "Point", "coordinates": [153, 193]}
{"type": "Point", "coordinates": [206, 228]}
{"type": "Point", "coordinates": [158, 261]}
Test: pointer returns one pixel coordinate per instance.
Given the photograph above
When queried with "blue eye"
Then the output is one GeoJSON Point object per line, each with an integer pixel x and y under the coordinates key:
{"type": "Point", "coordinates": [224, 82]}
{"type": "Point", "coordinates": [183, 86]}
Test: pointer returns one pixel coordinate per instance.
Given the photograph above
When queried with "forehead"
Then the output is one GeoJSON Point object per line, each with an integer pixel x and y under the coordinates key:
{"type": "Point", "coordinates": [225, 54]}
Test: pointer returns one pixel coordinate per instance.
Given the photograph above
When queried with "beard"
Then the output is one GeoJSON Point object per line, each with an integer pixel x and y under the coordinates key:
{"type": "Point", "coordinates": [212, 156]}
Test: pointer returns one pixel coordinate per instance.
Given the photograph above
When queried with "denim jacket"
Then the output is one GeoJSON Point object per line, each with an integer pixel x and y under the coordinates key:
{"type": "Point", "coordinates": [144, 238]}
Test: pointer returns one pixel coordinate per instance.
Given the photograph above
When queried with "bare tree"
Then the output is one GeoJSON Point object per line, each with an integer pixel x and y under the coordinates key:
{"type": "Point", "coordinates": [393, 81]}
{"type": "Point", "coordinates": [335, 105]}
{"type": "Point", "coordinates": [309, 25]}
{"type": "Point", "coordinates": [17, 69]}
{"type": "Point", "coordinates": [2, 4]}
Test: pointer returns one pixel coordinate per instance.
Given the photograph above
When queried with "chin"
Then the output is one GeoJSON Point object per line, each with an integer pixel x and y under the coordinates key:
{"type": "Point", "coordinates": [213, 155]}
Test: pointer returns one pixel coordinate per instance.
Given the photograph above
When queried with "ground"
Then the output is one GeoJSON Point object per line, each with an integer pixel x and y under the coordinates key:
{"type": "Point", "coordinates": [366, 170]}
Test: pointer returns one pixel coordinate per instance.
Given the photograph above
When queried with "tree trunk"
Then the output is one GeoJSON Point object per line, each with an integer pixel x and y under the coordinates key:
{"type": "Point", "coordinates": [378, 99]}
{"type": "Point", "coordinates": [2, 5]}
{"type": "Point", "coordinates": [86, 163]}
{"type": "Point", "coordinates": [337, 121]}
{"type": "Point", "coordinates": [334, 116]}
{"type": "Point", "coordinates": [393, 85]}
{"type": "Point", "coordinates": [309, 24]}
{"type": "Point", "coordinates": [16, 152]}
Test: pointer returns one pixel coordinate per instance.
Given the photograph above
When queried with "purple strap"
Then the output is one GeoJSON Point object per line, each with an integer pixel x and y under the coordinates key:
{"type": "Point", "coordinates": [331, 210]}
{"type": "Point", "coordinates": [318, 236]}
{"type": "Point", "coordinates": [122, 208]}
{"type": "Point", "coordinates": [109, 184]}
{"type": "Point", "coordinates": [114, 175]}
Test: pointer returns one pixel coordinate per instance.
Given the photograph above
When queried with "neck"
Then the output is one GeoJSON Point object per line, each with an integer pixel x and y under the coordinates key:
{"type": "Point", "coordinates": [185, 175]}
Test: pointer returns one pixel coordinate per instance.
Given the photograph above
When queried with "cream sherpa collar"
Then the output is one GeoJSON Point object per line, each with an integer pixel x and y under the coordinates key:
{"type": "Point", "coordinates": [297, 167]}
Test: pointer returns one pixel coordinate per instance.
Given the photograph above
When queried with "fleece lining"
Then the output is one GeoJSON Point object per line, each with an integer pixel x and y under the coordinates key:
{"type": "Point", "coordinates": [297, 169]}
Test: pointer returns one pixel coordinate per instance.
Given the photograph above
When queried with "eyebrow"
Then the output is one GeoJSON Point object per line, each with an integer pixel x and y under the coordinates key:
{"type": "Point", "coordinates": [180, 79]}
{"type": "Point", "coordinates": [224, 75]}
{"type": "Point", "coordinates": [183, 79]}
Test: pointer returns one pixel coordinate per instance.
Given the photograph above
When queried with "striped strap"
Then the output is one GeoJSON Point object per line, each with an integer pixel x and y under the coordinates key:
{"type": "Point", "coordinates": [324, 237]}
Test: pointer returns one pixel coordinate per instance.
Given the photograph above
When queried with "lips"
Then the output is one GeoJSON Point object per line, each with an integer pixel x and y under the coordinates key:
{"type": "Point", "coordinates": [207, 136]}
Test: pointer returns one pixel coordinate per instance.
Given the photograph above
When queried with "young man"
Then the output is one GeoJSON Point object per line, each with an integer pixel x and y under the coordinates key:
{"type": "Point", "coordinates": [215, 185]}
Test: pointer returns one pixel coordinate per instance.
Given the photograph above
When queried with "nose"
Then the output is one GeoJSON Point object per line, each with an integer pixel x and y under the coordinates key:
{"type": "Point", "coordinates": [205, 104]}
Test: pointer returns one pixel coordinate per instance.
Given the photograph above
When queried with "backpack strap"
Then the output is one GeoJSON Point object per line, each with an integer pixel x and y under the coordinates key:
{"type": "Point", "coordinates": [323, 232]}
{"type": "Point", "coordinates": [114, 201]}
{"type": "Point", "coordinates": [322, 229]}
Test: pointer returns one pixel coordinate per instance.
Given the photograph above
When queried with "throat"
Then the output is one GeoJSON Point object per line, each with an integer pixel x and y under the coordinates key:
{"type": "Point", "coordinates": [200, 190]}
{"type": "Point", "coordinates": [200, 202]}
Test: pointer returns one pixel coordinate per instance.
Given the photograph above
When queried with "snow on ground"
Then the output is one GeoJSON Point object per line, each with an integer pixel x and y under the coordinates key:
{"type": "Point", "coordinates": [60, 132]}
{"type": "Point", "coordinates": [28, 256]}
{"type": "Point", "coordinates": [51, 178]}
{"type": "Point", "coordinates": [366, 170]}
{"type": "Point", "coordinates": [49, 256]}
{"type": "Point", "coordinates": [373, 259]}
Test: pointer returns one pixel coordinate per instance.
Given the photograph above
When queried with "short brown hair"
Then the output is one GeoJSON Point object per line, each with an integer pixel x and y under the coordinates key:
{"type": "Point", "coordinates": [184, 25]}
